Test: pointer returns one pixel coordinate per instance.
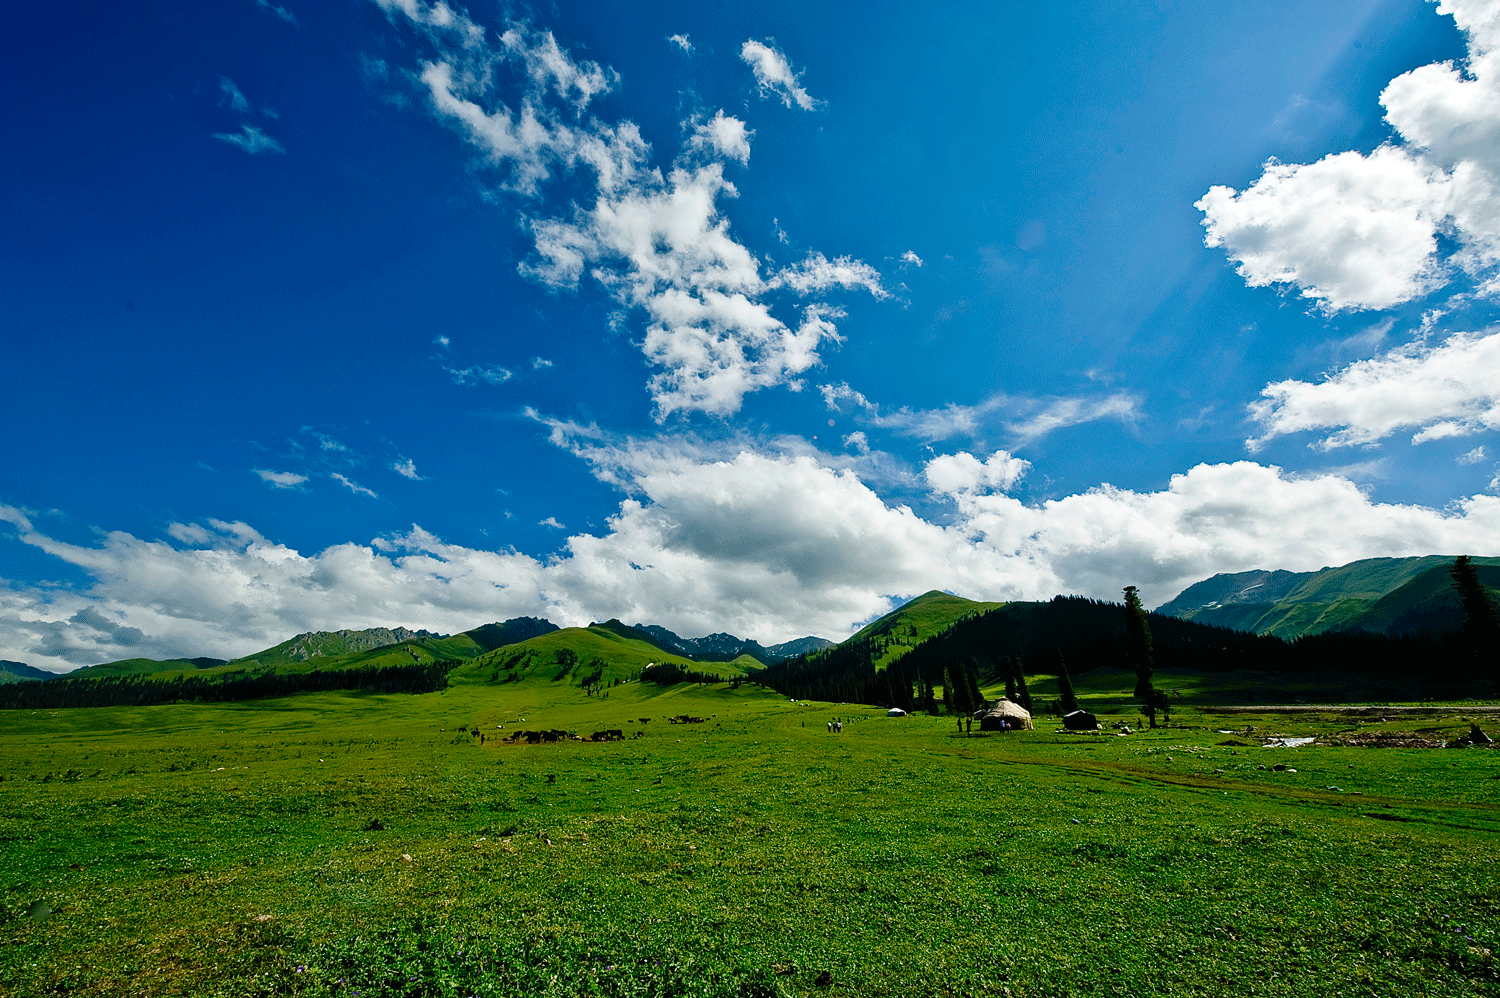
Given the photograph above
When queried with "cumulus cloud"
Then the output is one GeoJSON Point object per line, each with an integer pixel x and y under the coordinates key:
{"type": "Point", "coordinates": [1471, 457]}
{"type": "Point", "coordinates": [552, 522]}
{"type": "Point", "coordinates": [251, 139]}
{"type": "Point", "coordinates": [1446, 389]}
{"type": "Point", "coordinates": [406, 468]}
{"type": "Point", "coordinates": [910, 259]}
{"type": "Point", "coordinates": [764, 544]}
{"type": "Point", "coordinates": [1022, 419]}
{"type": "Point", "coordinates": [774, 74]}
{"type": "Point", "coordinates": [1361, 232]}
{"type": "Point", "coordinates": [681, 42]}
{"type": "Point", "coordinates": [721, 135]}
{"type": "Point", "coordinates": [964, 474]}
{"type": "Point", "coordinates": [281, 479]}
{"type": "Point", "coordinates": [540, 363]}
{"type": "Point", "coordinates": [655, 241]}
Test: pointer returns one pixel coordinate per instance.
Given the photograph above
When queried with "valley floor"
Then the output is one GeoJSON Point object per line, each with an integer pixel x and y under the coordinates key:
{"type": "Point", "coordinates": [343, 844]}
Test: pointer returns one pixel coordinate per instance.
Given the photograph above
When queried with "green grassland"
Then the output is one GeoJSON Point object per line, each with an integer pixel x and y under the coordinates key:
{"type": "Point", "coordinates": [345, 843]}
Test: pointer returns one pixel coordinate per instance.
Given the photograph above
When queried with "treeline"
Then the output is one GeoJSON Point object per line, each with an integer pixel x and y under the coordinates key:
{"type": "Point", "coordinates": [1001, 645]}
{"type": "Point", "coordinates": [667, 673]}
{"type": "Point", "coordinates": [140, 691]}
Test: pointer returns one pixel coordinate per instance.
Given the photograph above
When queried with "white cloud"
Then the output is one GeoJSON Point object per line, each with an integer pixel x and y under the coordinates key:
{"type": "Point", "coordinates": [231, 97]}
{"type": "Point", "coordinates": [1444, 390]}
{"type": "Point", "coordinates": [493, 375]}
{"type": "Point", "coordinates": [442, 341]}
{"type": "Point", "coordinates": [251, 139]}
{"type": "Point", "coordinates": [774, 74]}
{"type": "Point", "coordinates": [763, 544]}
{"type": "Point", "coordinates": [818, 273]}
{"type": "Point", "coordinates": [406, 468]}
{"type": "Point", "coordinates": [721, 135]}
{"type": "Point", "coordinates": [354, 487]}
{"type": "Point", "coordinates": [682, 42]}
{"type": "Point", "coordinates": [552, 522]}
{"type": "Point", "coordinates": [1471, 457]}
{"type": "Point", "coordinates": [656, 242]}
{"type": "Point", "coordinates": [281, 479]}
{"type": "Point", "coordinates": [540, 363]}
{"type": "Point", "coordinates": [910, 259]}
{"type": "Point", "coordinates": [964, 474]}
{"type": "Point", "coordinates": [1356, 232]}
{"type": "Point", "coordinates": [1022, 419]}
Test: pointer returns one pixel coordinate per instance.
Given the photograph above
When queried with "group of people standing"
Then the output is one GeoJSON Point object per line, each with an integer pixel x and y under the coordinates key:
{"type": "Point", "coordinates": [835, 727]}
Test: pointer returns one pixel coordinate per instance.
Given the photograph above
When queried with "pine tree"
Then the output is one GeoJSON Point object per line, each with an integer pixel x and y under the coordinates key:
{"type": "Point", "coordinates": [1022, 694]}
{"type": "Point", "coordinates": [1481, 632]}
{"type": "Point", "coordinates": [1138, 648]}
{"type": "Point", "coordinates": [1008, 667]}
{"type": "Point", "coordinates": [976, 695]}
{"type": "Point", "coordinates": [1065, 686]}
{"type": "Point", "coordinates": [949, 706]}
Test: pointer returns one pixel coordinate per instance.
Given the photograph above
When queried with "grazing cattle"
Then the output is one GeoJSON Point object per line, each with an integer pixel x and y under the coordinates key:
{"type": "Point", "coordinates": [532, 737]}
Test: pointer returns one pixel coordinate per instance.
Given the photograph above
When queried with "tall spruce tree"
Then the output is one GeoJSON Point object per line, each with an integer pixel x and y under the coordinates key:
{"type": "Point", "coordinates": [1022, 694]}
{"type": "Point", "coordinates": [1008, 666]}
{"type": "Point", "coordinates": [976, 695]}
{"type": "Point", "coordinates": [1480, 638]}
{"type": "Point", "coordinates": [1138, 648]}
{"type": "Point", "coordinates": [1065, 686]}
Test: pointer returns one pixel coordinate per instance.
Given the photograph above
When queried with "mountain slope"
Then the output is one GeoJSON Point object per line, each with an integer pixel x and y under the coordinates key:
{"type": "Point", "coordinates": [599, 653]}
{"type": "Point", "coordinates": [20, 672]}
{"type": "Point", "coordinates": [724, 647]}
{"type": "Point", "coordinates": [914, 622]}
{"type": "Point", "coordinates": [1293, 604]}
{"type": "Point", "coordinates": [147, 666]}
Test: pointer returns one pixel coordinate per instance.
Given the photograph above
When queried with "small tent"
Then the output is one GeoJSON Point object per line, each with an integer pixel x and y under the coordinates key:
{"type": "Point", "coordinates": [1004, 713]}
{"type": "Point", "coordinates": [895, 712]}
{"type": "Point", "coordinates": [1080, 720]}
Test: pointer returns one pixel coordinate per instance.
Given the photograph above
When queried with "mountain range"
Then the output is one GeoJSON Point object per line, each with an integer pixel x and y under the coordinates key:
{"type": "Point", "coordinates": [1383, 596]}
{"type": "Point", "coordinates": [1391, 596]}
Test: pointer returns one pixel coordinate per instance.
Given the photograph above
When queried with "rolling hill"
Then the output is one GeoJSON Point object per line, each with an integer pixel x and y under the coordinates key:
{"type": "Point", "coordinates": [721, 646]}
{"type": "Point", "coordinates": [600, 653]}
{"type": "Point", "coordinates": [1361, 595]}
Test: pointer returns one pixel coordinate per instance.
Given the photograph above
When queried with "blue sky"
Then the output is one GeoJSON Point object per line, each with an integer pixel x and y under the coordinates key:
{"type": "Point", "coordinates": [728, 318]}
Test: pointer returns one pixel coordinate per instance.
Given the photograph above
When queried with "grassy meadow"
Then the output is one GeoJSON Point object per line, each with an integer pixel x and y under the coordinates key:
{"type": "Point", "coordinates": [363, 844]}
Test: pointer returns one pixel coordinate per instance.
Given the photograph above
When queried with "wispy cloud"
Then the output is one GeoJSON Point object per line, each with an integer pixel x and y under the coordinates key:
{"type": "Point", "coordinates": [774, 74]}
{"type": "Point", "coordinates": [1022, 419]}
{"type": "Point", "coordinates": [231, 97]}
{"type": "Point", "coordinates": [493, 375]}
{"type": "Point", "coordinates": [910, 259]}
{"type": "Point", "coordinates": [251, 139]}
{"type": "Point", "coordinates": [353, 486]}
{"type": "Point", "coordinates": [552, 522]}
{"type": "Point", "coordinates": [540, 363]}
{"type": "Point", "coordinates": [280, 12]}
{"type": "Point", "coordinates": [281, 479]}
{"type": "Point", "coordinates": [406, 468]}
{"type": "Point", "coordinates": [681, 42]}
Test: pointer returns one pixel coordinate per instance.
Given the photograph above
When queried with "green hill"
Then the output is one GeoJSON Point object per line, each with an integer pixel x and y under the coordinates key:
{"type": "Point", "coordinates": [339, 644]}
{"type": "Point", "coordinates": [147, 666]}
{"type": "Point", "coordinates": [1360, 595]}
{"type": "Point", "coordinates": [600, 653]}
{"type": "Point", "coordinates": [20, 672]}
{"type": "Point", "coordinates": [913, 622]}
